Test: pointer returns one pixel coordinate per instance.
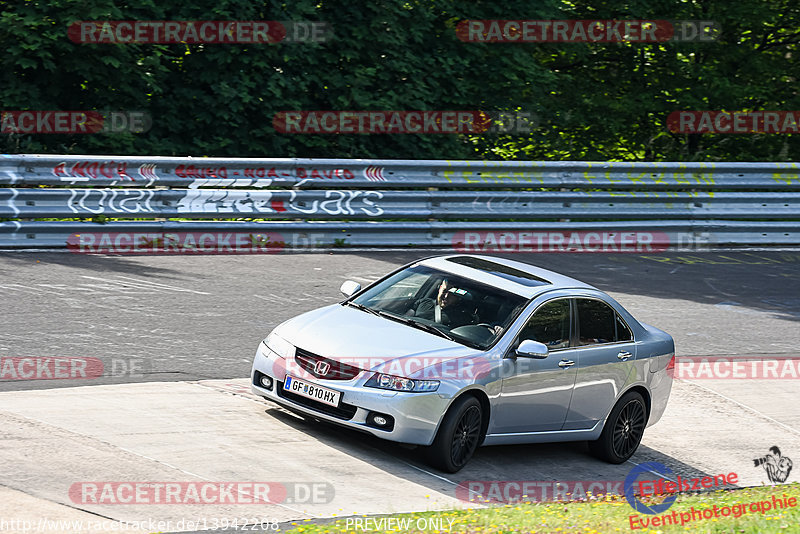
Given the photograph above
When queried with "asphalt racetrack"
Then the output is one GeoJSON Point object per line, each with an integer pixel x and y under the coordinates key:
{"type": "Point", "coordinates": [176, 336]}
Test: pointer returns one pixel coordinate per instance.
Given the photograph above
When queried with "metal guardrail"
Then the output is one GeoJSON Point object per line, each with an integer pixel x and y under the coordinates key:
{"type": "Point", "coordinates": [371, 204]}
{"type": "Point", "coordinates": [125, 171]}
{"type": "Point", "coordinates": [300, 203]}
{"type": "Point", "coordinates": [257, 237]}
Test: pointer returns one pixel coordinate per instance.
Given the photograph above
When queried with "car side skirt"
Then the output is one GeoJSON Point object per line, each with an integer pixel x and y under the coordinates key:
{"type": "Point", "coordinates": [589, 434]}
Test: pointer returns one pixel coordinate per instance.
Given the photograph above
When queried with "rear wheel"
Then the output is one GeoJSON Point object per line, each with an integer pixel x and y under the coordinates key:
{"type": "Point", "coordinates": [458, 436]}
{"type": "Point", "coordinates": [623, 431]}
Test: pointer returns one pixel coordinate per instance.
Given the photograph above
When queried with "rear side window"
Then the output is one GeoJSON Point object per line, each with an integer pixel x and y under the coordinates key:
{"type": "Point", "coordinates": [599, 323]}
{"type": "Point", "coordinates": [623, 332]}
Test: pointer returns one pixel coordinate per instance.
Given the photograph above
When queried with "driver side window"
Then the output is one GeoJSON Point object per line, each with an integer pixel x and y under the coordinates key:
{"type": "Point", "coordinates": [549, 325]}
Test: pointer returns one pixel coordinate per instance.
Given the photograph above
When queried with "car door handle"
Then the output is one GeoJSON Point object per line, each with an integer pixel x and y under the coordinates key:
{"type": "Point", "coordinates": [566, 363]}
{"type": "Point", "coordinates": [624, 355]}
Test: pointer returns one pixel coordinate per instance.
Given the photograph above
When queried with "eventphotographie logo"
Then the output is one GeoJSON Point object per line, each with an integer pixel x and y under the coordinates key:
{"type": "Point", "coordinates": [777, 466]}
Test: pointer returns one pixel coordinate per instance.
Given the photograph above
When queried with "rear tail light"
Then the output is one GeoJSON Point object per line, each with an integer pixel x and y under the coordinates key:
{"type": "Point", "coordinates": [671, 367]}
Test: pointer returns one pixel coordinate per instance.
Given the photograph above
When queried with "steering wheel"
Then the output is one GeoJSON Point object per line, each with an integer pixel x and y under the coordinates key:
{"type": "Point", "coordinates": [487, 325]}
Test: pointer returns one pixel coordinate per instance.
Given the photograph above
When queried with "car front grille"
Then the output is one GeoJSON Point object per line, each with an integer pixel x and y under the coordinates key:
{"type": "Point", "coordinates": [343, 411]}
{"type": "Point", "coordinates": [333, 370]}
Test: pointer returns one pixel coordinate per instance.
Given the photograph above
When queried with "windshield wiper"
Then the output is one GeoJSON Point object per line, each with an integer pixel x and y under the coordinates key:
{"type": "Point", "coordinates": [411, 322]}
{"type": "Point", "coordinates": [434, 330]}
{"type": "Point", "coordinates": [422, 326]}
{"type": "Point", "coordinates": [362, 307]}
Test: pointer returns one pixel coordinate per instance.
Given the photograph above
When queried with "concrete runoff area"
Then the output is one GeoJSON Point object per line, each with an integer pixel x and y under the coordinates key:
{"type": "Point", "coordinates": [213, 431]}
{"type": "Point", "coordinates": [186, 414]}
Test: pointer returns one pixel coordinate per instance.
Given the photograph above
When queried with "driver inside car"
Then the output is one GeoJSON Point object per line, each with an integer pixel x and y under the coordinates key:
{"type": "Point", "coordinates": [452, 307]}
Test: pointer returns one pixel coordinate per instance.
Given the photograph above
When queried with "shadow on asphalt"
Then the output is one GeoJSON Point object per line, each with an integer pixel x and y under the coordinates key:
{"type": "Point", "coordinates": [90, 262]}
{"type": "Point", "coordinates": [762, 280]}
{"type": "Point", "coordinates": [548, 462]}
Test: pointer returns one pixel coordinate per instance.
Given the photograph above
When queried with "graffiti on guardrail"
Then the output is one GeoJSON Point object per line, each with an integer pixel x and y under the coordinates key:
{"type": "Point", "coordinates": [200, 175]}
{"type": "Point", "coordinates": [115, 170]}
{"type": "Point", "coordinates": [251, 172]}
{"type": "Point", "coordinates": [105, 200]}
{"type": "Point", "coordinates": [599, 177]}
{"type": "Point", "coordinates": [332, 203]}
{"type": "Point", "coordinates": [340, 203]}
{"type": "Point", "coordinates": [225, 201]}
{"type": "Point", "coordinates": [648, 207]}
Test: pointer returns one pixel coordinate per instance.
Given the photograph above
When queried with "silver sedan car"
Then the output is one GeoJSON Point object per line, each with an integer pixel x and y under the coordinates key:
{"type": "Point", "coordinates": [453, 352]}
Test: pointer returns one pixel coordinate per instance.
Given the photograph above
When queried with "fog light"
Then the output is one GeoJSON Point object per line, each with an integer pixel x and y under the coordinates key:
{"type": "Point", "coordinates": [380, 421]}
{"type": "Point", "coordinates": [266, 382]}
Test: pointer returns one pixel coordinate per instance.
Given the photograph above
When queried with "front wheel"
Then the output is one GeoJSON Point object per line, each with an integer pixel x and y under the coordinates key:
{"type": "Point", "coordinates": [623, 431]}
{"type": "Point", "coordinates": [458, 436]}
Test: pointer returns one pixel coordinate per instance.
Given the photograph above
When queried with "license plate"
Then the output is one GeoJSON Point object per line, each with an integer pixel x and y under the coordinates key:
{"type": "Point", "coordinates": [312, 391]}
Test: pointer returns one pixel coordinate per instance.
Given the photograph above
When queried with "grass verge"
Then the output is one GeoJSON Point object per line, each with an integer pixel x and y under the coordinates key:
{"type": "Point", "coordinates": [600, 515]}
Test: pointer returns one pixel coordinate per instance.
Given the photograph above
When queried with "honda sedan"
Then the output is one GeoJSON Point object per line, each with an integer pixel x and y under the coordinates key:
{"type": "Point", "coordinates": [453, 352]}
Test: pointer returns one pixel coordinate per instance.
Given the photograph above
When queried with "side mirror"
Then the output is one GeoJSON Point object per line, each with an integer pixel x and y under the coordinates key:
{"type": "Point", "coordinates": [532, 349]}
{"type": "Point", "coordinates": [350, 288]}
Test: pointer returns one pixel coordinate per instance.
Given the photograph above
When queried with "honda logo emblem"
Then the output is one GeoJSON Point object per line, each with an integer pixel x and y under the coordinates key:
{"type": "Point", "coordinates": [322, 368]}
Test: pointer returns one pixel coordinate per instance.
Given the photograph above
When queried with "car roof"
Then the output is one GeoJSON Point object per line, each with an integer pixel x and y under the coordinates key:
{"type": "Point", "coordinates": [516, 277]}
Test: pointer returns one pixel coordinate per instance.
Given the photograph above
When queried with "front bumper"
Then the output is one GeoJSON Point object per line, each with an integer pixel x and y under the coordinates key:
{"type": "Point", "coordinates": [416, 415]}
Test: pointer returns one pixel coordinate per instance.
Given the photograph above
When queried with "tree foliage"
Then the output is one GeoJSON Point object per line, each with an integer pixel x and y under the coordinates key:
{"type": "Point", "coordinates": [599, 101]}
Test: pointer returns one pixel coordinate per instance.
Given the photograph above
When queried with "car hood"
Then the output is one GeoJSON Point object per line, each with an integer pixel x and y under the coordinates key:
{"type": "Point", "coordinates": [356, 337]}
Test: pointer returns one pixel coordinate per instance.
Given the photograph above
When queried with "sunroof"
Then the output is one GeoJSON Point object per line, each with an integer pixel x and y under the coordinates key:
{"type": "Point", "coordinates": [498, 269]}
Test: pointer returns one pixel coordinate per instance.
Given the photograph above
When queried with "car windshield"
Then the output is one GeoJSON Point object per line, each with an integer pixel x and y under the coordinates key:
{"type": "Point", "coordinates": [460, 309]}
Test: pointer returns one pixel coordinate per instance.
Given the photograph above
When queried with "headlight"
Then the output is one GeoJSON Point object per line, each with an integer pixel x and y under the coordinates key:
{"type": "Point", "coordinates": [279, 346]}
{"type": "Point", "coordinates": [398, 383]}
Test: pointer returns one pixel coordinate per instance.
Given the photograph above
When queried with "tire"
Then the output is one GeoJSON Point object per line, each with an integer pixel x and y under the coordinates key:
{"type": "Point", "coordinates": [458, 436]}
{"type": "Point", "coordinates": [623, 430]}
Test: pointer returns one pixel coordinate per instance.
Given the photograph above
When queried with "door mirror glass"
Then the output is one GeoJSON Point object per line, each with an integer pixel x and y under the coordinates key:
{"type": "Point", "coordinates": [532, 349]}
{"type": "Point", "coordinates": [350, 288]}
